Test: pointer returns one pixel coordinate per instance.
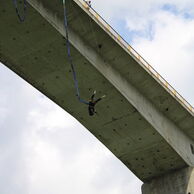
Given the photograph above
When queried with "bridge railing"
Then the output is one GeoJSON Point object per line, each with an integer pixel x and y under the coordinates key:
{"type": "Point", "coordinates": [134, 54]}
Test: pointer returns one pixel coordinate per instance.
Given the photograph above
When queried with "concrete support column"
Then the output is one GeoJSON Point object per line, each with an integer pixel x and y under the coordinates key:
{"type": "Point", "coordinates": [177, 182]}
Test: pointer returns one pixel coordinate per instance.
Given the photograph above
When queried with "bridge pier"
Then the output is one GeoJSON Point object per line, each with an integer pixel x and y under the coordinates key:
{"type": "Point", "coordinates": [177, 182]}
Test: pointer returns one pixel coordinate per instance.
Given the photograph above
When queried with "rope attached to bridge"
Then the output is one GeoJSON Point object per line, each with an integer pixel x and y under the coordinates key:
{"type": "Point", "coordinates": [70, 57]}
{"type": "Point", "coordinates": [21, 17]}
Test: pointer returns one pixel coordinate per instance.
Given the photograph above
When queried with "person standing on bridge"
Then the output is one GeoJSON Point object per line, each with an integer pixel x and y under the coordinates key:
{"type": "Point", "coordinates": [92, 103]}
{"type": "Point", "coordinates": [89, 3]}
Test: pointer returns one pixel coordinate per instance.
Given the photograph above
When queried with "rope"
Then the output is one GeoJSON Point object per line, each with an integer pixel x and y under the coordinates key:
{"type": "Point", "coordinates": [70, 57]}
{"type": "Point", "coordinates": [21, 18]}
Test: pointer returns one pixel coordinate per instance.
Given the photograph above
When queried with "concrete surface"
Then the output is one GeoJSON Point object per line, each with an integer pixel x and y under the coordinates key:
{"type": "Point", "coordinates": [178, 182]}
{"type": "Point", "coordinates": [140, 121]}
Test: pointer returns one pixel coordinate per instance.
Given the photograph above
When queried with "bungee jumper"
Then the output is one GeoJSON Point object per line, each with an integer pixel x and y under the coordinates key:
{"type": "Point", "coordinates": [92, 103]}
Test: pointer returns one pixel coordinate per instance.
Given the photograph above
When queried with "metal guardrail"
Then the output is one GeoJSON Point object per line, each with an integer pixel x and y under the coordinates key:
{"type": "Point", "coordinates": [134, 54]}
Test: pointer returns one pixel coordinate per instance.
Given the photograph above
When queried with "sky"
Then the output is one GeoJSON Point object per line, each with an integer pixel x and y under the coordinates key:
{"type": "Point", "coordinates": [44, 150]}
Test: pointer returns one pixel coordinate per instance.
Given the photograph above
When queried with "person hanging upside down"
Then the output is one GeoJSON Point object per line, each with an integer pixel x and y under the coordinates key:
{"type": "Point", "coordinates": [92, 103]}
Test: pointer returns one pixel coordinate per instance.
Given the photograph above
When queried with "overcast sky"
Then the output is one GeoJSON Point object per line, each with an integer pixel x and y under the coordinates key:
{"type": "Point", "coordinates": [44, 150]}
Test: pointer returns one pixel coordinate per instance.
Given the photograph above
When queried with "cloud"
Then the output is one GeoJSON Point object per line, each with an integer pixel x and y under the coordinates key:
{"type": "Point", "coordinates": [112, 9]}
{"type": "Point", "coordinates": [138, 15]}
{"type": "Point", "coordinates": [12, 127]}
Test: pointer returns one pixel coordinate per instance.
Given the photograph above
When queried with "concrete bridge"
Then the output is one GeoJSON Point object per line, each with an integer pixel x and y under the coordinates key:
{"type": "Point", "coordinates": [143, 120]}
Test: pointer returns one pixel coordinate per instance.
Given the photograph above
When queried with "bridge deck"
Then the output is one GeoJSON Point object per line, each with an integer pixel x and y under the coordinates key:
{"type": "Point", "coordinates": [36, 51]}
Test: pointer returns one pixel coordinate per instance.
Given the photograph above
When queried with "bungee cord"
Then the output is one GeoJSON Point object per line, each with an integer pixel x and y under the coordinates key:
{"type": "Point", "coordinates": [21, 17]}
{"type": "Point", "coordinates": [70, 57]}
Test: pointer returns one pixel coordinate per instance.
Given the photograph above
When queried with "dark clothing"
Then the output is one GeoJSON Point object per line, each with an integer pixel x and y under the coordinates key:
{"type": "Point", "coordinates": [91, 108]}
{"type": "Point", "coordinates": [89, 3]}
{"type": "Point", "coordinates": [92, 103]}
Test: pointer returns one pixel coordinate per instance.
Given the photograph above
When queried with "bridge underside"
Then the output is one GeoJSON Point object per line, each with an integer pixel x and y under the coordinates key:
{"type": "Point", "coordinates": [37, 52]}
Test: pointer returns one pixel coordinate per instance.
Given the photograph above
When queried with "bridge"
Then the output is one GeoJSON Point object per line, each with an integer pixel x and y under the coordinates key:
{"type": "Point", "coordinates": [143, 121]}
